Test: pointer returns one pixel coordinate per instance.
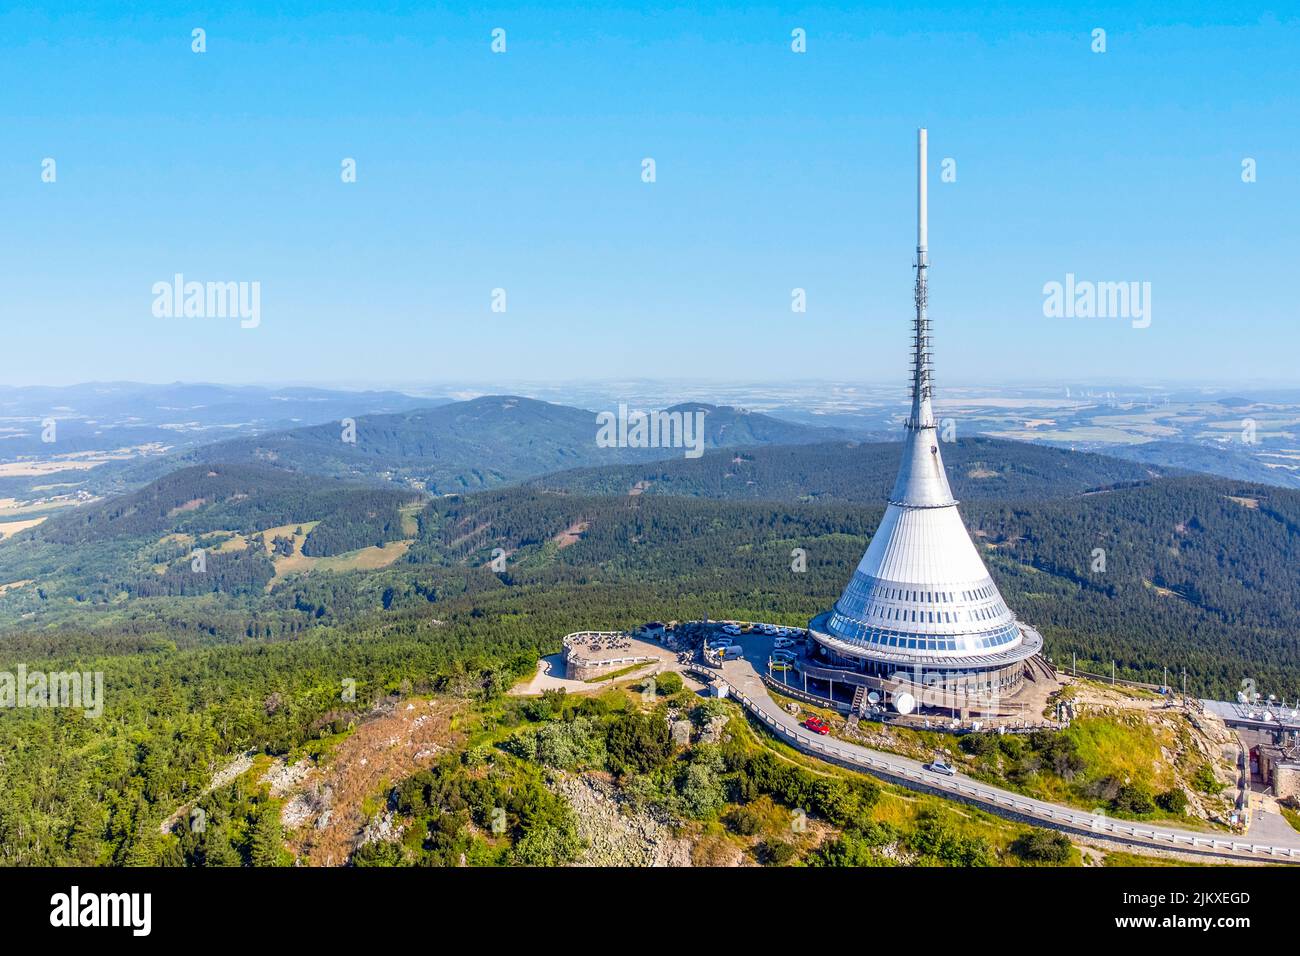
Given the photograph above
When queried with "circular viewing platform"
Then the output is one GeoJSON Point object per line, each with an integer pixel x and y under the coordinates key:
{"type": "Point", "coordinates": [944, 681]}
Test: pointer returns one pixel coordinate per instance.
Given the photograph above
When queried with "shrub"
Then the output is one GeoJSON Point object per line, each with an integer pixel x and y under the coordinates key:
{"type": "Point", "coordinates": [857, 846]}
{"type": "Point", "coordinates": [1134, 799]}
{"type": "Point", "coordinates": [743, 821]}
{"type": "Point", "coordinates": [1042, 846]}
{"type": "Point", "coordinates": [569, 744]}
{"type": "Point", "coordinates": [378, 853]}
{"type": "Point", "coordinates": [978, 745]}
{"type": "Point", "coordinates": [1012, 745]}
{"type": "Point", "coordinates": [934, 841]}
{"type": "Point", "coordinates": [638, 743]}
{"type": "Point", "coordinates": [1173, 801]}
{"type": "Point", "coordinates": [1205, 781]}
{"type": "Point", "coordinates": [775, 853]}
{"type": "Point", "coordinates": [668, 683]}
{"type": "Point", "coordinates": [701, 792]}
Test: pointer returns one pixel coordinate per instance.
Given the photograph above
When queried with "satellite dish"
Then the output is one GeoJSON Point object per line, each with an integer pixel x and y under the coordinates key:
{"type": "Point", "coordinates": [874, 698]}
{"type": "Point", "coordinates": [904, 703]}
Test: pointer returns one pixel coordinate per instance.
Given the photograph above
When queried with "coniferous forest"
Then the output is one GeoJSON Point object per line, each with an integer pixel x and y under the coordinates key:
{"type": "Point", "coordinates": [1198, 573]}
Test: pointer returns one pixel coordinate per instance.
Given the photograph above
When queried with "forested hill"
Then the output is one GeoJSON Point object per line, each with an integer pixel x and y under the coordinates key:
{"type": "Point", "coordinates": [978, 468]}
{"type": "Point", "coordinates": [205, 498]}
{"type": "Point", "coordinates": [465, 446]}
{"type": "Point", "coordinates": [1192, 572]}
{"type": "Point", "coordinates": [253, 524]}
{"type": "Point", "coordinates": [1227, 460]}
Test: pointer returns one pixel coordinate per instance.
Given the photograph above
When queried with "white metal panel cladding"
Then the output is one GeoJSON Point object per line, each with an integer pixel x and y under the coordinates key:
{"type": "Point", "coordinates": [921, 478]}
{"type": "Point", "coordinates": [925, 546]}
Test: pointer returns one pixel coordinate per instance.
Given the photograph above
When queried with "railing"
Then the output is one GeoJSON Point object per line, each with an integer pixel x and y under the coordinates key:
{"type": "Point", "coordinates": [1061, 816]}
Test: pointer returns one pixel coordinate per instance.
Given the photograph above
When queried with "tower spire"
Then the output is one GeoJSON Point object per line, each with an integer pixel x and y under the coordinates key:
{"type": "Point", "coordinates": [922, 416]}
{"type": "Point", "coordinates": [921, 615]}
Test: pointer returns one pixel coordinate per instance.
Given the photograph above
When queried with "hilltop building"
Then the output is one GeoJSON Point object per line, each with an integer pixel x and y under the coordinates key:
{"type": "Point", "coordinates": [921, 622]}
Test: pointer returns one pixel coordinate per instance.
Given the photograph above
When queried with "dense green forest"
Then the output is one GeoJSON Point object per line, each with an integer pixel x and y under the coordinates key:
{"type": "Point", "coordinates": [1195, 572]}
{"type": "Point", "coordinates": [103, 557]}
{"type": "Point", "coordinates": [471, 445]}
{"type": "Point", "coordinates": [1199, 572]}
{"type": "Point", "coordinates": [861, 472]}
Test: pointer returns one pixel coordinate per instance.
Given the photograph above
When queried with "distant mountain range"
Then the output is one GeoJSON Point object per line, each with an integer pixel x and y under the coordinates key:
{"type": "Point", "coordinates": [465, 446]}
{"type": "Point", "coordinates": [105, 416]}
{"type": "Point", "coordinates": [1229, 461]}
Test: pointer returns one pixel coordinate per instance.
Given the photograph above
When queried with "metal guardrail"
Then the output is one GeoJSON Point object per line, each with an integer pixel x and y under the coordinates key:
{"type": "Point", "coordinates": [1060, 815]}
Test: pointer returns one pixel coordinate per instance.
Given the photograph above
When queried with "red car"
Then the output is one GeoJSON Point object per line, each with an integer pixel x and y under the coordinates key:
{"type": "Point", "coordinates": [817, 725]}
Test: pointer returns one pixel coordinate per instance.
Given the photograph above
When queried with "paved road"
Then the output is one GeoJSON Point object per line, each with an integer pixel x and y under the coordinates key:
{"type": "Point", "coordinates": [748, 688]}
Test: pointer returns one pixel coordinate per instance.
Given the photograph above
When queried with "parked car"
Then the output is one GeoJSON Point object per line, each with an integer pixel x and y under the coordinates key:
{"type": "Point", "coordinates": [817, 725]}
{"type": "Point", "coordinates": [720, 642]}
{"type": "Point", "coordinates": [732, 629]}
{"type": "Point", "coordinates": [781, 642]}
{"type": "Point", "coordinates": [732, 652]}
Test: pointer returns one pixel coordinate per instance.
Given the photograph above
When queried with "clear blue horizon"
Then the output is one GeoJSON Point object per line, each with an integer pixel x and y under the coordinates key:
{"type": "Point", "coordinates": [775, 170]}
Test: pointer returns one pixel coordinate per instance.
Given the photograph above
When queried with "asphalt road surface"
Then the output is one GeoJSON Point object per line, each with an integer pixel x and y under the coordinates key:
{"type": "Point", "coordinates": [748, 688]}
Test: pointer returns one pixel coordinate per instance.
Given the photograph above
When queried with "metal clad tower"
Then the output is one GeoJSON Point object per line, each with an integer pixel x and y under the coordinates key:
{"type": "Point", "coordinates": [921, 605]}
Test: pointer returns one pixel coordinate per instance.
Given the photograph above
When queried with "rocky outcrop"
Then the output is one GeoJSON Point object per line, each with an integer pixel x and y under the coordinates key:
{"type": "Point", "coordinates": [614, 834]}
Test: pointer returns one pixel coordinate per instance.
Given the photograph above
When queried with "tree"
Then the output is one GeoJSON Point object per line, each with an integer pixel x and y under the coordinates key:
{"type": "Point", "coordinates": [702, 793]}
{"type": "Point", "coordinates": [267, 845]}
{"type": "Point", "coordinates": [217, 850]}
{"type": "Point", "coordinates": [638, 743]}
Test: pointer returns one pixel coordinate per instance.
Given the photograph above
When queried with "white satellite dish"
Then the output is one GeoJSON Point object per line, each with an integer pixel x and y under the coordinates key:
{"type": "Point", "coordinates": [874, 698]}
{"type": "Point", "coordinates": [904, 703]}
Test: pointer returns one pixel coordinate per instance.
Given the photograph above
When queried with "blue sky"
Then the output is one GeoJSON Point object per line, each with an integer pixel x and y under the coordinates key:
{"type": "Point", "coordinates": [522, 171]}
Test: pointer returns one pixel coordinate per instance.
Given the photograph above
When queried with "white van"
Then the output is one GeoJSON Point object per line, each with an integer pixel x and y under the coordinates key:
{"type": "Point", "coordinates": [783, 642]}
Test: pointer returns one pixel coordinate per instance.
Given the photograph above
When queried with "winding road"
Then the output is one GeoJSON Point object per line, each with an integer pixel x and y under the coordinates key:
{"type": "Point", "coordinates": [747, 687]}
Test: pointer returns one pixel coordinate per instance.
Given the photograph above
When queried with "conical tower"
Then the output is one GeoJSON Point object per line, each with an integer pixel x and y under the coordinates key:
{"type": "Point", "coordinates": [921, 601]}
